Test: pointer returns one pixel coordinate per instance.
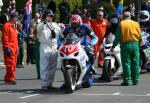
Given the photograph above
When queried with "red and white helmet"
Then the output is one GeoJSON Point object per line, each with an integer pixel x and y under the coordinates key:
{"type": "Point", "coordinates": [75, 19]}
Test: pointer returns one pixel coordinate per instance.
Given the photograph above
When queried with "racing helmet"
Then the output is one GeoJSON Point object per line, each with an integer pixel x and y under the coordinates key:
{"type": "Point", "coordinates": [144, 16]}
{"type": "Point", "coordinates": [75, 19]}
{"type": "Point", "coordinates": [48, 12]}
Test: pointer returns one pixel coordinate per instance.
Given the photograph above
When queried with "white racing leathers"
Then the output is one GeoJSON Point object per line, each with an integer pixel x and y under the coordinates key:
{"type": "Point", "coordinates": [48, 51]}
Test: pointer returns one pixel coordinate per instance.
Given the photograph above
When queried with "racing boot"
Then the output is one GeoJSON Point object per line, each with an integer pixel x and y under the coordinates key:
{"type": "Point", "coordinates": [94, 71]}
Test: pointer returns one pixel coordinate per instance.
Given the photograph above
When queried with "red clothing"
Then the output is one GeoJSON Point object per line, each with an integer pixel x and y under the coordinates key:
{"type": "Point", "coordinates": [87, 22]}
{"type": "Point", "coordinates": [10, 40]}
{"type": "Point", "coordinates": [99, 29]}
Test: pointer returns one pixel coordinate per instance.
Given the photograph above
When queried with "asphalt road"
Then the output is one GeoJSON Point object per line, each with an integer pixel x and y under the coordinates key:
{"type": "Point", "coordinates": [28, 90]}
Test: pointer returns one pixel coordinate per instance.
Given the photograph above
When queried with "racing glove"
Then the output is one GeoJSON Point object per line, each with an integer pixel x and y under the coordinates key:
{"type": "Point", "coordinates": [8, 51]}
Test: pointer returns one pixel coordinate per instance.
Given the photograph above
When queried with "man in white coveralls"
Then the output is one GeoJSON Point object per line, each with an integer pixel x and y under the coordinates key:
{"type": "Point", "coordinates": [48, 32]}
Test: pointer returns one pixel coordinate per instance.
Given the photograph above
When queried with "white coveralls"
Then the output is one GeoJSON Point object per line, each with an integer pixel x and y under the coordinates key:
{"type": "Point", "coordinates": [48, 52]}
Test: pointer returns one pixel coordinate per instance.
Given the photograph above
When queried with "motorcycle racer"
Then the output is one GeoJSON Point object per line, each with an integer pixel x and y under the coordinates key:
{"type": "Point", "coordinates": [82, 31]}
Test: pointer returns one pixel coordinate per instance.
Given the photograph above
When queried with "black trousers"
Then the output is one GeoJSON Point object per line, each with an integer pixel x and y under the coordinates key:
{"type": "Point", "coordinates": [30, 53]}
{"type": "Point", "coordinates": [20, 55]}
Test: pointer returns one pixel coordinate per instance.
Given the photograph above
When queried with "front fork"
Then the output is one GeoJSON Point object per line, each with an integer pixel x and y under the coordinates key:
{"type": "Point", "coordinates": [112, 60]}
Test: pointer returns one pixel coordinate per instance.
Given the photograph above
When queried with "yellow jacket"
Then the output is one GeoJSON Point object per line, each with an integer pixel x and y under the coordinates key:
{"type": "Point", "coordinates": [130, 31]}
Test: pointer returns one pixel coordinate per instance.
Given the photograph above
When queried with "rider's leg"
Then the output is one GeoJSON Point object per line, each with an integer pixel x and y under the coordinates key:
{"type": "Point", "coordinates": [92, 61]}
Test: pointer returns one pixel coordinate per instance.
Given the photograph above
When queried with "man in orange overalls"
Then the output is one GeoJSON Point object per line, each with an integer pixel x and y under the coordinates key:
{"type": "Point", "coordinates": [99, 26]}
{"type": "Point", "coordinates": [10, 48]}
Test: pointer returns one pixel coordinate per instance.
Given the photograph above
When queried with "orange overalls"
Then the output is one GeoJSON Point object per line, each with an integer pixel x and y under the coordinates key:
{"type": "Point", "coordinates": [99, 29]}
{"type": "Point", "coordinates": [10, 40]}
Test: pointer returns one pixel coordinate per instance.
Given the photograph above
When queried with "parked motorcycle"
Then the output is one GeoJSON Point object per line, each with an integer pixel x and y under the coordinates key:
{"type": "Point", "coordinates": [145, 52]}
{"type": "Point", "coordinates": [112, 66]}
{"type": "Point", "coordinates": [145, 48]}
{"type": "Point", "coordinates": [75, 63]}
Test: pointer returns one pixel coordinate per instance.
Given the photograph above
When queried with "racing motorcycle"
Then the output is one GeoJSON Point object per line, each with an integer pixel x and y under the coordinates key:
{"type": "Point", "coordinates": [112, 66]}
{"type": "Point", "coordinates": [145, 52]}
{"type": "Point", "coordinates": [75, 63]}
{"type": "Point", "coordinates": [145, 48]}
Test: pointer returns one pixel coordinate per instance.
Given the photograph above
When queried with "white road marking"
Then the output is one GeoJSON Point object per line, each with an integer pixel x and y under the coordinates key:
{"type": "Point", "coordinates": [133, 95]}
{"type": "Point", "coordinates": [148, 94]}
{"type": "Point", "coordinates": [117, 93]}
{"type": "Point", "coordinates": [28, 96]}
{"type": "Point", "coordinates": [29, 91]}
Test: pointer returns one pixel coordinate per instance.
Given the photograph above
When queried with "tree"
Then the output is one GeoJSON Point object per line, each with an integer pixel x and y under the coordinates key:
{"type": "Point", "coordinates": [137, 9]}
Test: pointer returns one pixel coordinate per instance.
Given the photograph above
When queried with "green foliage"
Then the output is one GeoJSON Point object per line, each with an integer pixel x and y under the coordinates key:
{"type": "Point", "coordinates": [19, 4]}
{"type": "Point", "coordinates": [92, 8]}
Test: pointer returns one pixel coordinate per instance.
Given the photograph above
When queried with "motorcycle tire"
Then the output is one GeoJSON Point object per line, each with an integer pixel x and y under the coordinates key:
{"type": "Point", "coordinates": [88, 83]}
{"type": "Point", "coordinates": [148, 70]}
{"type": "Point", "coordinates": [69, 81]}
{"type": "Point", "coordinates": [107, 71]}
{"type": "Point", "coordinates": [148, 67]}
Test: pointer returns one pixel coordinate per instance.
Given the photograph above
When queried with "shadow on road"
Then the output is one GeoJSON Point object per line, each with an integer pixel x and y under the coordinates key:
{"type": "Point", "coordinates": [106, 84]}
{"type": "Point", "coordinates": [98, 82]}
{"type": "Point", "coordinates": [53, 91]}
{"type": "Point", "coordinates": [23, 79]}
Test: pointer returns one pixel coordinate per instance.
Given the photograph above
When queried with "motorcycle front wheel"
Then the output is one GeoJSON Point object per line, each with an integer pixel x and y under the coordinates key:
{"type": "Point", "coordinates": [107, 72]}
{"type": "Point", "coordinates": [70, 80]}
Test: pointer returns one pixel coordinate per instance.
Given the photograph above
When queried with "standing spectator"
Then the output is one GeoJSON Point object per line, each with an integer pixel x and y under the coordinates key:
{"type": "Point", "coordinates": [129, 36]}
{"type": "Point", "coordinates": [31, 46]}
{"type": "Point", "coordinates": [48, 32]}
{"type": "Point", "coordinates": [1, 4]}
{"type": "Point", "coordinates": [40, 7]}
{"type": "Point", "coordinates": [35, 22]}
{"type": "Point", "coordinates": [99, 26]}
{"type": "Point", "coordinates": [12, 7]}
{"type": "Point", "coordinates": [105, 13]}
{"type": "Point", "coordinates": [10, 48]}
{"type": "Point", "coordinates": [131, 9]}
{"type": "Point", "coordinates": [64, 10]}
{"type": "Point", "coordinates": [86, 17]}
{"type": "Point", "coordinates": [146, 6]}
{"type": "Point", "coordinates": [27, 16]}
{"type": "Point", "coordinates": [21, 37]}
{"type": "Point", "coordinates": [52, 6]}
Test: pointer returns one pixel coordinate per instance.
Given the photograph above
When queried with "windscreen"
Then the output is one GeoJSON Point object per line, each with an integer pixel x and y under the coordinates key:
{"type": "Point", "coordinates": [71, 38]}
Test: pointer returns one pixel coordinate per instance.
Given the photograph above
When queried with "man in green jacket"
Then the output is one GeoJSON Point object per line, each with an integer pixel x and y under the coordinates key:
{"type": "Point", "coordinates": [129, 36]}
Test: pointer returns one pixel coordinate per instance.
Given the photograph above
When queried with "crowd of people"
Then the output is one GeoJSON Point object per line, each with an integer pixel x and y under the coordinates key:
{"type": "Point", "coordinates": [45, 37]}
